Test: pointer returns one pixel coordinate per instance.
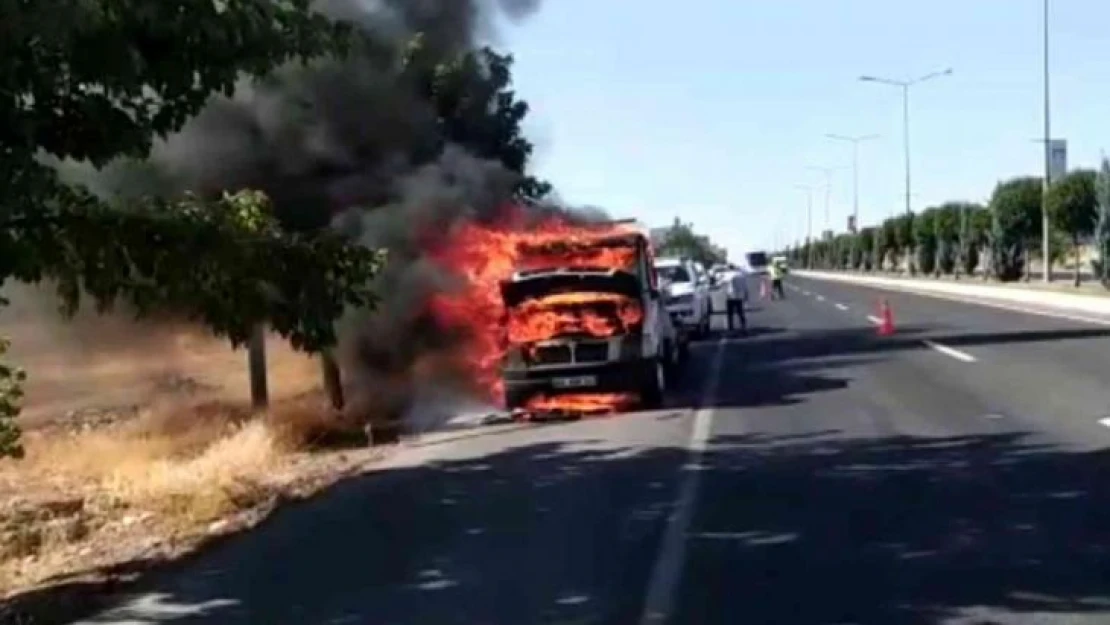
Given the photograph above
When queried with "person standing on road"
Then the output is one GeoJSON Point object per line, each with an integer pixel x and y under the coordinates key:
{"type": "Point", "coordinates": [736, 291]}
{"type": "Point", "coordinates": [776, 281]}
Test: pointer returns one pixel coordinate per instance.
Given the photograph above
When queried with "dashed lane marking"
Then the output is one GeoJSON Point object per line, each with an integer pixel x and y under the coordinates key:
{"type": "Point", "coordinates": [948, 351]}
{"type": "Point", "coordinates": [842, 307]}
{"type": "Point", "coordinates": [944, 349]}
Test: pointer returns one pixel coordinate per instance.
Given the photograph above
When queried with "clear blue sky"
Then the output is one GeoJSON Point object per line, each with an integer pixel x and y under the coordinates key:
{"type": "Point", "coordinates": [714, 111]}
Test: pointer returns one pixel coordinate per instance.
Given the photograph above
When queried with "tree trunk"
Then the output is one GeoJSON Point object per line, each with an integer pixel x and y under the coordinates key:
{"type": "Point", "coordinates": [1075, 243]}
{"type": "Point", "coordinates": [256, 362]}
{"type": "Point", "coordinates": [333, 380]}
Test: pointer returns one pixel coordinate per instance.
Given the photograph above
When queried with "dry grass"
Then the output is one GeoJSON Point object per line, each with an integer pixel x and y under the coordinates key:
{"type": "Point", "coordinates": [139, 440]}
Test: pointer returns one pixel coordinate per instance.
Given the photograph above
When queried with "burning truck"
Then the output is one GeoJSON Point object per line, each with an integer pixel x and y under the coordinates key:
{"type": "Point", "coordinates": [585, 326]}
{"type": "Point", "coordinates": [557, 316]}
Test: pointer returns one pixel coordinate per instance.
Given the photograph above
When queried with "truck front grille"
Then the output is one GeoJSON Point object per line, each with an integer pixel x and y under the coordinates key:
{"type": "Point", "coordinates": [591, 352]}
{"type": "Point", "coordinates": [552, 355]}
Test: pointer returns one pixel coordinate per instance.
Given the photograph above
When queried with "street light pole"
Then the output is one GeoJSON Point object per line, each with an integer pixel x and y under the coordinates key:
{"type": "Point", "coordinates": [1045, 226]}
{"type": "Point", "coordinates": [855, 141]}
{"type": "Point", "coordinates": [905, 86]}
{"type": "Point", "coordinates": [809, 223]}
{"type": "Point", "coordinates": [827, 171]}
{"type": "Point", "coordinates": [906, 138]}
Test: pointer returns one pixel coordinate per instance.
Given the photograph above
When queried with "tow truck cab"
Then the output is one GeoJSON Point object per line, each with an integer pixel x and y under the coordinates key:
{"type": "Point", "coordinates": [639, 355]}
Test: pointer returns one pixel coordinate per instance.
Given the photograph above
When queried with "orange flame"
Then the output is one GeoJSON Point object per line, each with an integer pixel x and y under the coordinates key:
{"type": "Point", "coordinates": [573, 313]}
{"type": "Point", "coordinates": [485, 255]}
{"type": "Point", "coordinates": [594, 403]}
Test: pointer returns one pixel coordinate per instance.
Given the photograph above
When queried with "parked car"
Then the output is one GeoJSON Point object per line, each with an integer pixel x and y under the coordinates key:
{"type": "Point", "coordinates": [686, 288]}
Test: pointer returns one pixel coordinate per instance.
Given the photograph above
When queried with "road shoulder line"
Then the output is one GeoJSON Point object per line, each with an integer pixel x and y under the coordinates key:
{"type": "Point", "coordinates": [666, 573]}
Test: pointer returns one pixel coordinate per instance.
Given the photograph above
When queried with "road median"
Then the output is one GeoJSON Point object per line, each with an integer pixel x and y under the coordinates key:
{"type": "Point", "coordinates": [1041, 298]}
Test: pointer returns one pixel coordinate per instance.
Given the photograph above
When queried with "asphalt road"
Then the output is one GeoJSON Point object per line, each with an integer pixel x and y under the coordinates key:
{"type": "Point", "coordinates": [810, 473]}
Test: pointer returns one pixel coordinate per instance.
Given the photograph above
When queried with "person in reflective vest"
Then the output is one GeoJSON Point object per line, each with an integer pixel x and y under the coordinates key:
{"type": "Point", "coordinates": [776, 281]}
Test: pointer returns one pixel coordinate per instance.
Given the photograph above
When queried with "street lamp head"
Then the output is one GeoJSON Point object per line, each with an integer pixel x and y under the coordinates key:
{"type": "Point", "coordinates": [868, 79]}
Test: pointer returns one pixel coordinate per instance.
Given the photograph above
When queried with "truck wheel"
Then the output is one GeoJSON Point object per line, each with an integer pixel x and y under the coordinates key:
{"type": "Point", "coordinates": [683, 352]}
{"type": "Point", "coordinates": [673, 355]}
{"type": "Point", "coordinates": [653, 384]}
{"type": "Point", "coordinates": [515, 399]}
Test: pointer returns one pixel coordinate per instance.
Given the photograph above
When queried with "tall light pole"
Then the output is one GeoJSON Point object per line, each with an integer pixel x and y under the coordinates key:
{"type": "Point", "coordinates": [905, 86]}
{"type": "Point", "coordinates": [809, 222]}
{"type": "Point", "coordinates": [1047, 162]}
{"type": "Point", "coordinates": [827, 171]}
{"type": "Point", "coordinates": [855, 141]}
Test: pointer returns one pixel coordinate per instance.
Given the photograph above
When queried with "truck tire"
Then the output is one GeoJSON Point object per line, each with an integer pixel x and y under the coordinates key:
{"type": "Point", "coordinates": [653, 384]}
{"type": "Point", "coordinates": [515, 399]}
{"type": "Point", "coordinates": [674, 359]}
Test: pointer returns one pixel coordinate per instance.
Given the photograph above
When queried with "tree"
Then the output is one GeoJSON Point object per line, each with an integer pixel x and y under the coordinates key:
{"type": "Point", "coordinates": [681, 240]}
{"type": "Point", "coordinates": [1072, 206]}
{"type": "Point", "coordinates": [974, 224]}
{"type": "Point", "coordinates": [903, 238]}
{"type": "Point", "coordinates": [1102, 228]}
{"type": "Point", "coordinates": [890, 241]}
{"type": "Point", "coordinates": [947, 233]}
{"type": "Point", "coordinates": [867, 248]}
{"type": "Point", "coordinates": [925, 241]}
{"type": "Point", "coordinates": [1016, 225]}
{"type": "Point", "coordinates": [102, 86]}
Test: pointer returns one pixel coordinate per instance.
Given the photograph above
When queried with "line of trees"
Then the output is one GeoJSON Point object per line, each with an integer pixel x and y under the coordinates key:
{"type": "Point", "coordinates": [119, 75]}
{"type": "Point", "coordinates": [680, 239]}
{"type": "Point", "coordinates": [996, 241]}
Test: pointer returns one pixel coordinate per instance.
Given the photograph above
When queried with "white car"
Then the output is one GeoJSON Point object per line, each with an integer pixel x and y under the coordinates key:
{"type": "Point", "coordinates": [687, 294]}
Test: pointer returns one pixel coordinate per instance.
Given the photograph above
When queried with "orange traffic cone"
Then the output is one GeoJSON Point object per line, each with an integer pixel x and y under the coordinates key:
{"type": "Point", "coordinates": [886, 319]}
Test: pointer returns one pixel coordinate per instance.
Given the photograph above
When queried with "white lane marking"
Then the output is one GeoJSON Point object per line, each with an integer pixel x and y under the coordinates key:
{"type": "Point", "coordinates": [1105, 422]}
{"type": "Point", "coordinates": [948, 351]}
{"type": "Point", "coordinates": [667, 571]}
{"type": "Point", "coordinates": [804, 292]}
{"type": "Point", "coordinates": [820, 298]}
{"type": "Point", "coordinates": [842, 307]}
{"type": "Point", "coordinates": [944, 349]}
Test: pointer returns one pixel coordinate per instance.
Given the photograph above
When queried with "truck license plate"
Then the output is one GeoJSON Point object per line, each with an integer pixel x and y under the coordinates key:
{"type": "Point", "coordinates": [582, 381]}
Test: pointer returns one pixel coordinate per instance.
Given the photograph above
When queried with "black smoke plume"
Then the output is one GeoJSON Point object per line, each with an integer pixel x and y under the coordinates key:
{"type": "Point", "coordinates": [346, 145]}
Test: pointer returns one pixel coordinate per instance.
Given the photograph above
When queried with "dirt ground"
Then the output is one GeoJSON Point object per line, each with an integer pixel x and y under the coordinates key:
{"type": "Point", "coordinates": [140, 441]}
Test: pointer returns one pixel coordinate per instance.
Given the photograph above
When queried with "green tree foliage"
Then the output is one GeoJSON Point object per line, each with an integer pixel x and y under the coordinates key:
{"type": "Point", "coordinates": [102, 84]}
{"type": "Point", "coordinates": [867, 249]}
{"type": "Point", "coordinates": [946, 227]}
{"type": "Point", "coordinates": [974, 226]}
{"type": "Point", "coordinates": [1073, 208]}
{"type": "Point", "coordinates": [891, 244]}
{"type": "Point", "coordinates": [925, 241]}
{"type": "Point", "coordinates": [903, 238]}
{"type": "Point", "coordinates": [682, 240]}
{"type": "Point", "coordinates": [1102, 227]}
{"type": "Point", "coordinates": [1016, 225]}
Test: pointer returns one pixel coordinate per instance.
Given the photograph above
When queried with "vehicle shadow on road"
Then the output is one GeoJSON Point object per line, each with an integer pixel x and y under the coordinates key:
{"type": "Point", "coordinates": [806, 529]}
{"type": "Point", "coordinates": [898, 531]}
